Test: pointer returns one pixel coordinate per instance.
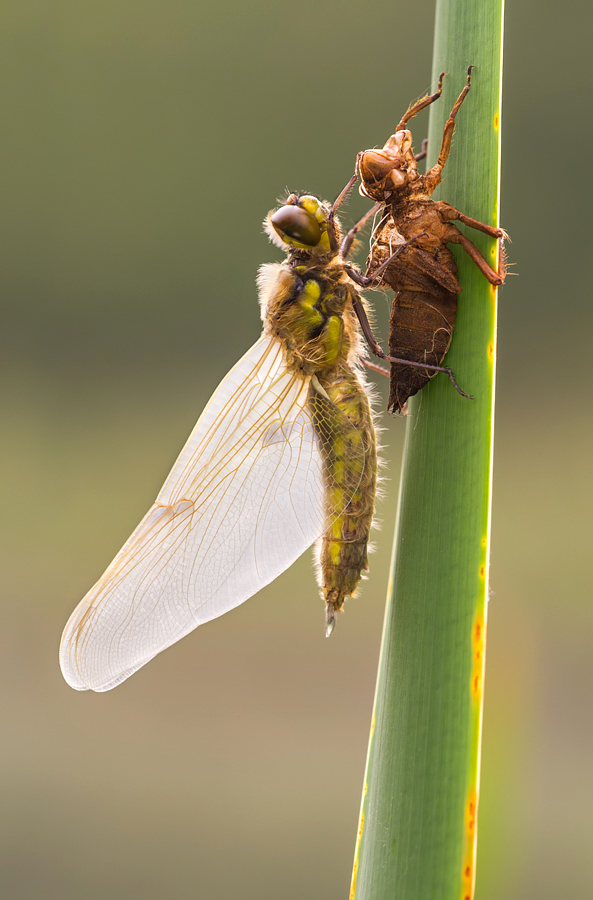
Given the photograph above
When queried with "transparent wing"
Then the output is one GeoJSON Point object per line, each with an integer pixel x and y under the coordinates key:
{"type": "Point", "coordinates": [247, 495]}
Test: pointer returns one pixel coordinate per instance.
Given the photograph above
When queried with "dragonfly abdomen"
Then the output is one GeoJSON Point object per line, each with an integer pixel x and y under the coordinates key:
{"type": "Point", "coordinates": [343, 548]}
{"type": "Point", "coordinates": [420, 329]}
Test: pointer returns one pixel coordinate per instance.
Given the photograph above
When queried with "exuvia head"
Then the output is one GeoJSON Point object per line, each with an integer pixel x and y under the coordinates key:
{"type": "Point", "coordinates": [302, 224]}
{"type": "Point", "coordinates": [384, 171]}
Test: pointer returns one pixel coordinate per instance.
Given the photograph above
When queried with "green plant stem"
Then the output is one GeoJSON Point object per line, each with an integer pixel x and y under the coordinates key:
{"type": "Point", "coordinates": [417, 831]}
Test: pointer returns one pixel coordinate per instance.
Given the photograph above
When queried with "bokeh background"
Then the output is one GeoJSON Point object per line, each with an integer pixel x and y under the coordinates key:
{"type": "Point", "coordinates": [142, 143]}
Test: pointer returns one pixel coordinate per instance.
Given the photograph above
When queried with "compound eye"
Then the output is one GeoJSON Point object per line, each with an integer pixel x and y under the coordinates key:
{"type": "Point", "coordinates": [297, 224]}
{"type": "Point", "coordinates": [375, 166]}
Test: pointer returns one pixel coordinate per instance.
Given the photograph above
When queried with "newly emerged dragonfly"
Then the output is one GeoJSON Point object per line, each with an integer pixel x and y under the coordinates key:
{"type": "Point", "coordinates": [283, 455]}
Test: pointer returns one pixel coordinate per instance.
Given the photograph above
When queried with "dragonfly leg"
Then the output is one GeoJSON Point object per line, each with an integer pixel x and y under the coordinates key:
{"type": "Point", "coordinates": [450, 214]}
{"type": "Point", "coordinates": [421, 104]}
{"type": "Point", "coordinates": [423, 152]}
{"type": "Point", "coordinates": [374, 367]}
{"type": "Point", "coordinates": [434, 176]}
{"type": "Point", "coordinates": [366, 280]}
{"type": "Point", "coordinates": [346, 245]}
{"type": "Point", "coordinates": [338, 202]}
{"type": "Point", "coordinates": [454, 236]}
{"type": "Point", "coordinates": [376, 348]}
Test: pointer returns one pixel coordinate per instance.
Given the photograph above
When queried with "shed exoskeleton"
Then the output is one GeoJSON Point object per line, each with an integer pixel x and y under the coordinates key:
{"type": "Point", "coordinates": [424, 275]}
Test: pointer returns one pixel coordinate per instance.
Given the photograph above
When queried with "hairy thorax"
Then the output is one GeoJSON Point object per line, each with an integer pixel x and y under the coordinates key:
{"type": "Point", "coordinates": [307, 308]}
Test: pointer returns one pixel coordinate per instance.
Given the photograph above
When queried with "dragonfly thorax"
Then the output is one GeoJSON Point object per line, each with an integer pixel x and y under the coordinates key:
{"type": "Point", "coordinates": [307, 307]}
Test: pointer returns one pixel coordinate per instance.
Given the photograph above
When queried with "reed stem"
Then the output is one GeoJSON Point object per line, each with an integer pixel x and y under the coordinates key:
{"type": "Point", "coordinates": [417, 830]}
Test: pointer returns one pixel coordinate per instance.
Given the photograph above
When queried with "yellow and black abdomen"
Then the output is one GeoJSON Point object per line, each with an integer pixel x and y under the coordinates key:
{"type": "Point", "coordinates": [351, 481]}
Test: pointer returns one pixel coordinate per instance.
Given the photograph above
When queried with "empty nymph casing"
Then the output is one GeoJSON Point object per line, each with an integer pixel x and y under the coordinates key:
{"type": "Point", "coordinates": [424, 275]}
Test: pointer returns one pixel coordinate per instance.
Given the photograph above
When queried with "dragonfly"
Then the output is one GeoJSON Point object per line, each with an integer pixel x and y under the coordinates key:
{"type": "Point", "coordinates": [283, 457]}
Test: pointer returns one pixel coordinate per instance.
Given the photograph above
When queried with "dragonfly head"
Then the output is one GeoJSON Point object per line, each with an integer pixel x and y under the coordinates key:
{"type": "Point", "coordinates": [300, 224]}
{"type": "Point", "coordinates": [384, 171]}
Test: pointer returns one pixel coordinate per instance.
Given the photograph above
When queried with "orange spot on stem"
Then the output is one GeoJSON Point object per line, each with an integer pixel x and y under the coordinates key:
{"type": "Point", "coordinates": [478, 637]}
{"type": "Point", "coordinates": [355, 866]}
{"type": "Point", "coordinates": [354, 874]}
{"type": "Point", "coordinates": [471, 817]}
{"type": "Point", "coordinates": [467, 888]}
{"type": "Point", "coordinates": [496, 122]}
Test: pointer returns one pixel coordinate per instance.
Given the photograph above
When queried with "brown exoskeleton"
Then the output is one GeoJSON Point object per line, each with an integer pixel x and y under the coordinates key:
{"type": "Point", "coordinates": [423, 274]}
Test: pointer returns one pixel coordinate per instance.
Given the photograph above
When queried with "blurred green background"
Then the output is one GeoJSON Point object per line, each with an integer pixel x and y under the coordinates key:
{"type": "Point", "coordinates": [142, 144]}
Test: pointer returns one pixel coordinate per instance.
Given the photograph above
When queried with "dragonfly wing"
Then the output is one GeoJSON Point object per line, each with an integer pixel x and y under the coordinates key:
{"type": "Point", "coordinates": [245, 498]}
